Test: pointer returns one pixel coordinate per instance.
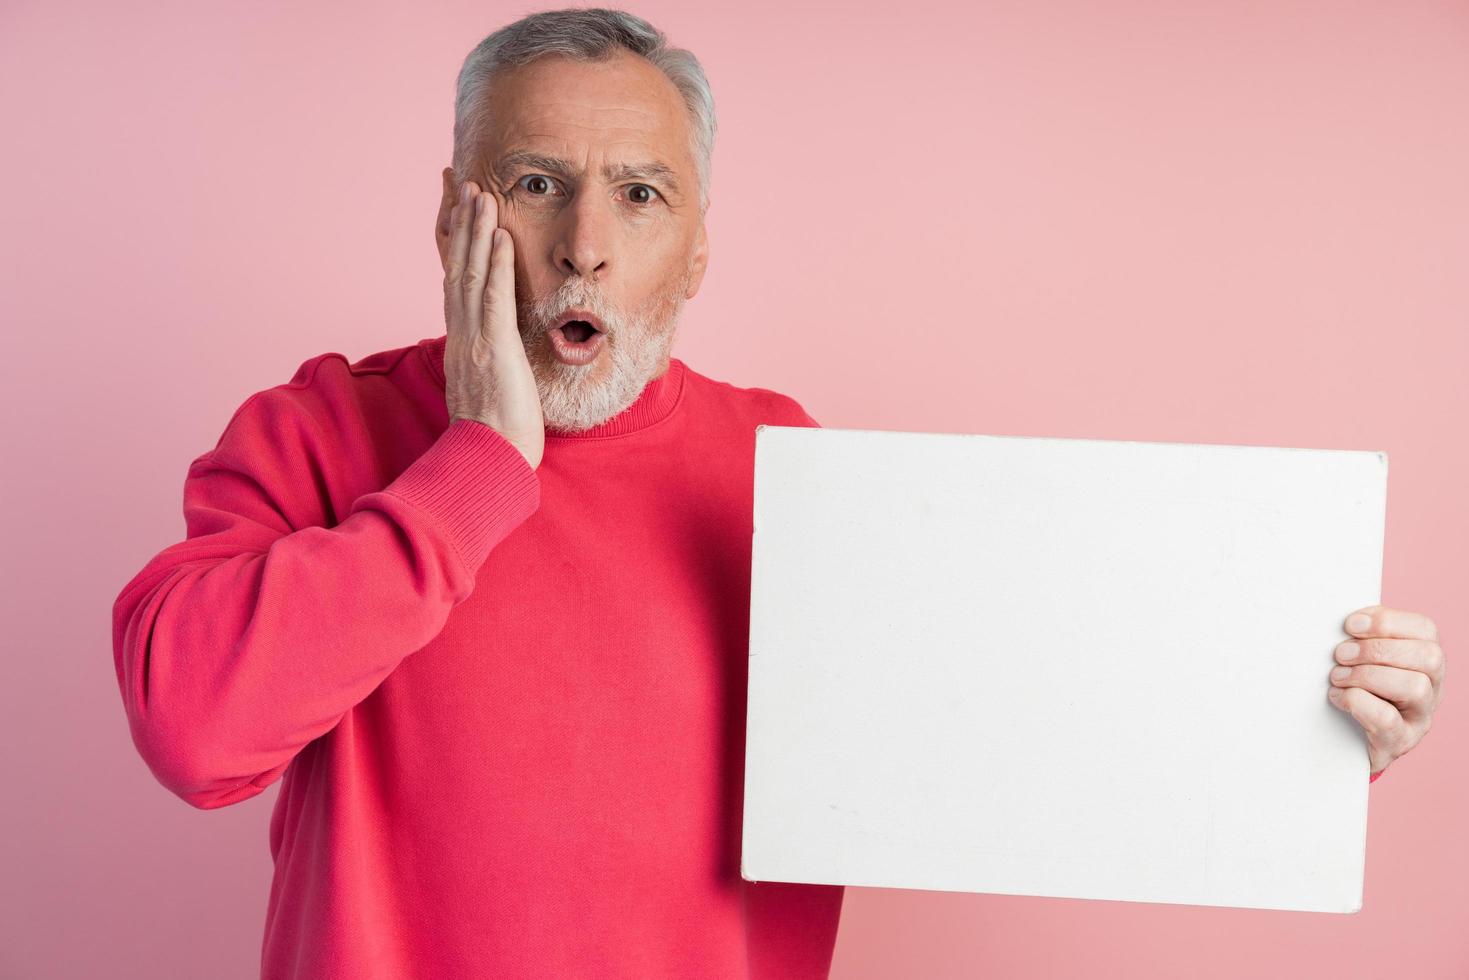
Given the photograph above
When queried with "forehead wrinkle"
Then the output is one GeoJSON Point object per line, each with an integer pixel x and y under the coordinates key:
{"type": "Point", "coordinates": [640, 158]}
{"type": "Point", "coordinates": [649, 129]}
{"type": "Point", "coordinates": [594, 117]}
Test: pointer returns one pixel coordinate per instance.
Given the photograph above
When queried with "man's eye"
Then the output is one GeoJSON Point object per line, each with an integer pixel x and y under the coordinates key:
{"type": "Point", "coordinates": [539, 181]}
{"type": "Point", "coordinates": [645, 187]}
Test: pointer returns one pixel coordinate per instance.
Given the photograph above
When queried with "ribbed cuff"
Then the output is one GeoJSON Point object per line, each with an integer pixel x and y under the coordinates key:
{"type": "Point", "coordinates": [475, 484]}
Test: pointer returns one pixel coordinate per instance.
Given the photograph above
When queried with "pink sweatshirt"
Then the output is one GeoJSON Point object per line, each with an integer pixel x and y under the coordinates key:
{"type": "Point", "coordinates": [546, 783]}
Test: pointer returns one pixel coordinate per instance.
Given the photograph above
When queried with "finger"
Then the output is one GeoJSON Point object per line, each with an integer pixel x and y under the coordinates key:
{"type": "Point", "coordinates": [476, 269]}
{"type": "Point", "coordinates": [500, 295]}
{"type": "Point", "coordinates": [1383, 621]}
{"type": "Point", "coordinates": [458, 257]}
{"type": "Point", "coordinates": [1424, 655]}
{"type": "Point", "coordinates": [1382, 722]}
{"type": "Point", "coordinates": [1411, 691]}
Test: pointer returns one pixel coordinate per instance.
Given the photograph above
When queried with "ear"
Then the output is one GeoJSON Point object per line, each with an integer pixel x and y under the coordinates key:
{"type": "Point", "coordinates": [699, 262]}
{"type": "Point", "coordinates": [441, 224]}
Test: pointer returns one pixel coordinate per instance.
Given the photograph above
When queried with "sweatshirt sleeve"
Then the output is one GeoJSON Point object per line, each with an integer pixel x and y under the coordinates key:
{"type": "Point", "coordinates": [239, 645]}
{"type": "Point", "coordinates": [806, 419]}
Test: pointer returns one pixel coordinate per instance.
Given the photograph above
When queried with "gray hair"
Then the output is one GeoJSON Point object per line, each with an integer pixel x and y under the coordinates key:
{"type": "Point", "coordinates": [585, 34]}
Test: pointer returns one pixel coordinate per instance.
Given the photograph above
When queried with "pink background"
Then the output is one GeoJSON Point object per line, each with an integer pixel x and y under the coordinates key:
{"type": "Point", "coordinates": [1227, 223]}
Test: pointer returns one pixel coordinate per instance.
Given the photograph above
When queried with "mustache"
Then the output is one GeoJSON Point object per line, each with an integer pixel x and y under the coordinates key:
{"type": "Point", "coordinates": [546, 311]}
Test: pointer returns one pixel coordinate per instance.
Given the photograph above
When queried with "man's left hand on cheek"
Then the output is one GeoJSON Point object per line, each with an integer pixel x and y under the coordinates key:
{"type": "Point", "coordinates": [1392, 679]}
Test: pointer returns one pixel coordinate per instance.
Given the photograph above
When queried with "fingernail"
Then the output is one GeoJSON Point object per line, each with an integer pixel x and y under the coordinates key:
{"type": "Point", "coordinates": [464, 192]}
{"type": "Point", "coordinates": [479, 204]}
{"type": "Point", "coordinates": [1358, 623]}
{"type": "Point", "coordinates": [1347, 651]}
{"type": "Point", "coordinates": [1340, 673]}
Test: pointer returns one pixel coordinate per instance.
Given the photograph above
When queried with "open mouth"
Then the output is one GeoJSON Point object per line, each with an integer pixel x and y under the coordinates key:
{"type": "Point", "coordinates": [578, 331]}
{"type": "Point", "coordinates": [578, 338]}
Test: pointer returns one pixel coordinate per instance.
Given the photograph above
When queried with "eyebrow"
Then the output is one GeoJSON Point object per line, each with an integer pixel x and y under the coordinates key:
{"type": "Point", "coordinates": [611, 172]}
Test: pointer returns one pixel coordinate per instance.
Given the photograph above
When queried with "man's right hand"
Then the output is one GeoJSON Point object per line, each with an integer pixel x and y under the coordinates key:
{"type": "Point", "coordinates": [487, 375]}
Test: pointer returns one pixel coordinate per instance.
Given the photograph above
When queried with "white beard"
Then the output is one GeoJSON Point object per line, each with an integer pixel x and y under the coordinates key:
{"type": "Point", "coordinates": [635, 351]}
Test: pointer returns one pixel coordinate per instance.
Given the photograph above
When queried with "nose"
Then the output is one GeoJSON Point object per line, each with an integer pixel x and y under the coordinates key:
{"type": "Point", "coordinates": [583, 246]}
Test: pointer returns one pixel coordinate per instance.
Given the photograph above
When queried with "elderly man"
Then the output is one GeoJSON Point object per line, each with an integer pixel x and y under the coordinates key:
{"type": "Point", "coordinates": [483, 601]}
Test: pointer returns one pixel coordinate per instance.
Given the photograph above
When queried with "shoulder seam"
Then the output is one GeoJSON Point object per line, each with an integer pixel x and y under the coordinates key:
{"type": "Point", "coordinates": [357, 371]}
{"type": "Point", "coordinates": [313, 364]}
{"type": "Point", "coordinates": [310, 379]}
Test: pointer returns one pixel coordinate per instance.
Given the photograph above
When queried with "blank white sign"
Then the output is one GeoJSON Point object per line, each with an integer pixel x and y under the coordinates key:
{"type": "Point", "coordinates": [1075, 668]}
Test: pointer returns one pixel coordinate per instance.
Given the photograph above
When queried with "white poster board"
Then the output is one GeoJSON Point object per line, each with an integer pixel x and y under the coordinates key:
{"type": "Point", "coordinates": [1064, 667]}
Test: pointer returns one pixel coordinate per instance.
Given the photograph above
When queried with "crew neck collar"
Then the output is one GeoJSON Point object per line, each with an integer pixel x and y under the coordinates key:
{"type": "Point", "coordinates": [654, 403]}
